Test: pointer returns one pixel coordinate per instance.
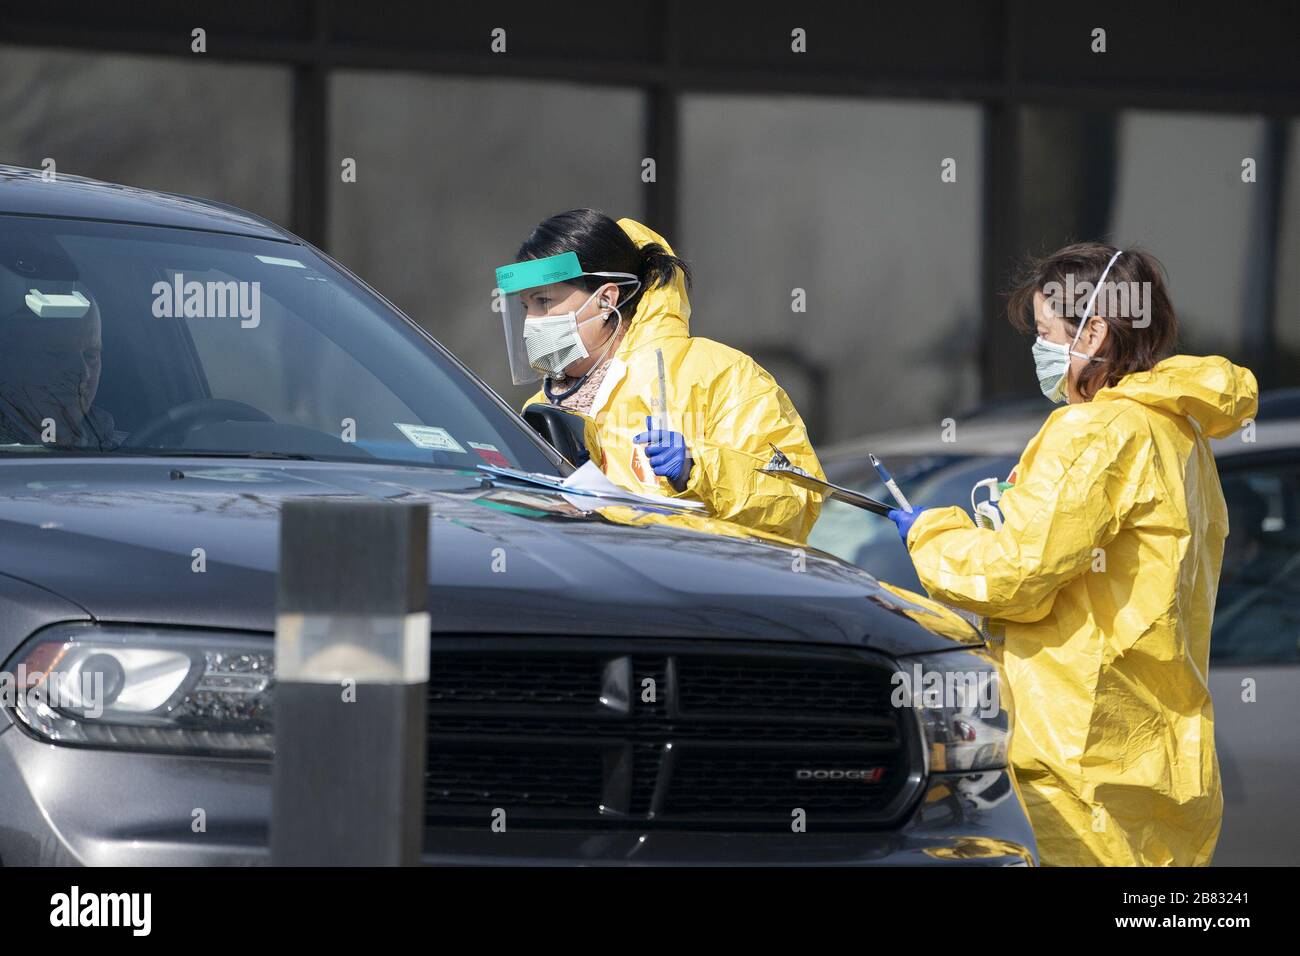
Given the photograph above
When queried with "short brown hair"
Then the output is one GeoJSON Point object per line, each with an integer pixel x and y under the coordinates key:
{"type": "Point", "coordinates": [1127, 348]}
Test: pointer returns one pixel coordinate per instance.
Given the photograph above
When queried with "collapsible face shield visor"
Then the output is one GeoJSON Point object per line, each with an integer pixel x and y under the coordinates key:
{"type": "Point", "coordinates": [514, 280]}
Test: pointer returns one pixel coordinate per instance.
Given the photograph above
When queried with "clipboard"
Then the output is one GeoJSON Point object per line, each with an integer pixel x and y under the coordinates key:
{"type": "Point", "coordinates": [781, 467]}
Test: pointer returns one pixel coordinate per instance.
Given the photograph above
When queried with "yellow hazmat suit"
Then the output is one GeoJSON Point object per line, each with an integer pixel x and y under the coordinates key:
{"type": "Point", "coordinates": [1103, 579]}
{"type": "Point", "coordinates": [728, 408]}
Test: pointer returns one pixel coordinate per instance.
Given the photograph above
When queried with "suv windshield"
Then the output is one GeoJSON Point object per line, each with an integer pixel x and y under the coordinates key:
{"type": "Point", "coordinates": [126, 339]}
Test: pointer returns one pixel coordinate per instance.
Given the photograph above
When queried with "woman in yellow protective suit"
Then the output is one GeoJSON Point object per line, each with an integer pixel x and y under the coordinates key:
{"type": "Point", "coordinates": [1101, 580]}
{"type": "Point", "coordinates": [590, 306]}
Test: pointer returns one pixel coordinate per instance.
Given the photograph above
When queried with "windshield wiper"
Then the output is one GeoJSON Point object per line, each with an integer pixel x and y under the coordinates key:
{"type": "Point", "coordinates": [176, 453]}
{"type": "Point", "coordinates": [34, 450]}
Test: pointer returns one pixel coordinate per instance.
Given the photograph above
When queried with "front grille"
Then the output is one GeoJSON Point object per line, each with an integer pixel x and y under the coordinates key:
{"type": "Point", "coordinates": [643, 735]}
{"type": "Point", "coordinates": [513, 679]}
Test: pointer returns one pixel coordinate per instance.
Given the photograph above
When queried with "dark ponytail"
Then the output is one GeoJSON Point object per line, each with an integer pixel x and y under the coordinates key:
{"type": "Point", "coordinates": [603, 246]}
{"type": "Point", "coordinates": [660, 267]}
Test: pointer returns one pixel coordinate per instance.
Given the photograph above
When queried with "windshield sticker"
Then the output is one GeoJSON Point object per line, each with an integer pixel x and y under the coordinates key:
{"type": "Point", "coordinates": [490, 454]}
{"type": "Point", "coordinates": [275, 261]}
{"type": "Point", "coordinates": [429, 436]}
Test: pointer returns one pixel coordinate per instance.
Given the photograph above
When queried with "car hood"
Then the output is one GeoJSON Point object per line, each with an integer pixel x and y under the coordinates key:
{"type": "Point", "coordinates": [195, 542]}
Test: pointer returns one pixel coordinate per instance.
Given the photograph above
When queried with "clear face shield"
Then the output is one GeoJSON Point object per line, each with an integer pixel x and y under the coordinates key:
{"type": "Point", "coordinates": [540, 344]}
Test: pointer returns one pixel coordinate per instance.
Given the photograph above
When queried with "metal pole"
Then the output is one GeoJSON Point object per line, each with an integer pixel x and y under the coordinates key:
{"type": "Point", "coordinates": [1002, 370]}
{"type": "Point", "coordinates": [352, 665]}
{"type": "Point", "coordinates": [662, 121]}
{"type": "Point", "coordinates": [310, 166]}
{"type": "Point", "coordinates": [1259, 326]}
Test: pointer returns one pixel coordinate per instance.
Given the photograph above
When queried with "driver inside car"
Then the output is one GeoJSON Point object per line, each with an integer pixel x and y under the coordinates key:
{"type": "Point", "coordinates": [50, 363]}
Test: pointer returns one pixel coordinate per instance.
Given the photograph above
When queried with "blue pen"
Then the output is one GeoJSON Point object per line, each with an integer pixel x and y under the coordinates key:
{"type": "Point", "coordinates": [889, 483]}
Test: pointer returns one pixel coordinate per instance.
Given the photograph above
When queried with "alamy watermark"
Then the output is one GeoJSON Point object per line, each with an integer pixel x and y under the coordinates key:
{"type": "Point", "coordinates": [951, 689]}
{"type": "Point", "coordinates": [180, 299]}
{"type": "Point", "coordinates": [82, 692]}
{"type": "Point", "coordinates": [1120, 300]}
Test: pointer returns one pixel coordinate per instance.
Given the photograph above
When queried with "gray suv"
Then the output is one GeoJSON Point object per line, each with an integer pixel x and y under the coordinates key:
{"type": "Point", "coordinates": [172, 371]}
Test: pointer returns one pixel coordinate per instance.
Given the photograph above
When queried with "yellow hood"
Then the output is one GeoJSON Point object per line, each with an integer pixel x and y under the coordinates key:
{"type": "Point", "coordinates": [663, 311]}
{"type": "Point", "coordinates": [1209, 389]}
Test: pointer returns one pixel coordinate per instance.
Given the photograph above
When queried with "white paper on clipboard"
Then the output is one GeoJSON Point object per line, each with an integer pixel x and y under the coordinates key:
{"type": "Point", "coordinates": [590, 482]}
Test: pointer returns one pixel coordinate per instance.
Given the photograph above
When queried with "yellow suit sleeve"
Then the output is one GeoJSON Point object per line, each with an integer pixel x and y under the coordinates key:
{"type": "Point", "coordinates": [736, 443]}
{"type": "Point", "coordinates": [1085, 481]}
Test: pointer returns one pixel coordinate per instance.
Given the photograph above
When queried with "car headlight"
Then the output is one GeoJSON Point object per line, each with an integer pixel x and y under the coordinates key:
{"type": "Point", "coordinates": [141, 688]}
{"type": "Point", "coordinates": [963, 706]}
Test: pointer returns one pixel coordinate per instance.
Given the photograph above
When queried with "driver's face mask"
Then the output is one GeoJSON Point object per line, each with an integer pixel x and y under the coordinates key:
{"type": "Point", "coordinates": [553, 342]}
{"type": "Point", "coordinates": [1052, 360]}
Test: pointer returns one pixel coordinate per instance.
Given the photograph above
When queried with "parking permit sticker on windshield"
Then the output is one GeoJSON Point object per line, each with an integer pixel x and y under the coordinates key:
{"type": "Point", "coordinates": [490, 454]}
{"type": "Point", "coordinates": [429, 436]}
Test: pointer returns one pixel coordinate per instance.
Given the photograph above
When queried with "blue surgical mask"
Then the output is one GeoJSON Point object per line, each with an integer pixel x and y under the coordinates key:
{"type": "Point", "coordinates": [1052, 360]}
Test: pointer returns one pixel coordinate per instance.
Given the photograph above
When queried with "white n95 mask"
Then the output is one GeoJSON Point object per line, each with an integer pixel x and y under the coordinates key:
{"type": "Point", "coordinates": [1052, 364]}
{"type": "Point", "coordinates": [552, 342]}
{"type": "Point", "coordinates": [1052, 360]}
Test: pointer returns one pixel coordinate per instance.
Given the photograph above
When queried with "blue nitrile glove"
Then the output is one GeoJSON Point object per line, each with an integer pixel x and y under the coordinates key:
{"type": "Point", "coordinates": [904, 520]}
{"type": "Point", "coordinates": [666, 452]}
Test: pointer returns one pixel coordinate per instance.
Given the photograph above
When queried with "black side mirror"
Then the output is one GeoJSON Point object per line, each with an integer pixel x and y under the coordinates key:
{"type": "Point", "coordinates": [563, 431]}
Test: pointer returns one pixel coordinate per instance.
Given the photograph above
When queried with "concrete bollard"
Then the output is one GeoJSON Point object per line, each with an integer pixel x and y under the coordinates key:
{"type": "Point", "coordinates": [352, 664]}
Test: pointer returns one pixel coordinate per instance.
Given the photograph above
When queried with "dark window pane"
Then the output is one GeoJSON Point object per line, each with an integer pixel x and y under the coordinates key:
{"type": "Point", "coordinates": [1257, 618]}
